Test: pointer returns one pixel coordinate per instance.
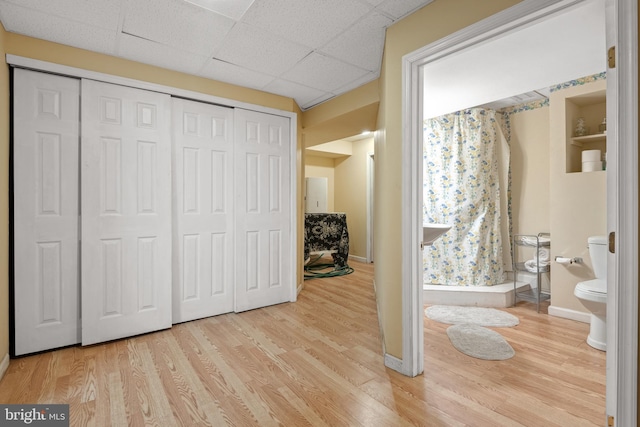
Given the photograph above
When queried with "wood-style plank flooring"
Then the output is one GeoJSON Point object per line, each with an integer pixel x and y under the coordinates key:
{"type": "Point", "coordinates": [318, 362]}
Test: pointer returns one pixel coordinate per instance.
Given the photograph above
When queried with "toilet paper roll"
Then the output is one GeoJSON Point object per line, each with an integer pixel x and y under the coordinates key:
{"type": "Point", "coordinates": [591, 156]}
{"type": "Point", "coordinates": [566, 261]}
{"type": "Point", "coordinates": [591, 166]}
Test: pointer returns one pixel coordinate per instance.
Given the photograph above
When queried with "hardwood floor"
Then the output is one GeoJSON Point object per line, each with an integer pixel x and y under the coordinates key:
{"type": "Point", "coordinates": [318, 362]}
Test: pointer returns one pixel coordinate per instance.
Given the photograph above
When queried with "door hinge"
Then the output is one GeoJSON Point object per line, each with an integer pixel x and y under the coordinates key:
{"type": "Point", "coordinates": [612, 242]}
{"type": "Point", "coordinates": [610, 422]}
{"type": "Point", "coordinates": [611, 57]}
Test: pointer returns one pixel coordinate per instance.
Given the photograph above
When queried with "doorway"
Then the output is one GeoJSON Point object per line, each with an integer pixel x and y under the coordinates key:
{"type": "Point", "coordinates": [346, 166]}
{"type": "Point", "coordinates": [622, 186]}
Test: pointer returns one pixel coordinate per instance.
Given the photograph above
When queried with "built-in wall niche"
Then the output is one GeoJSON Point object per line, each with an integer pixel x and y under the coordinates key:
{"type": "Point", "coordinates": [591, 108]}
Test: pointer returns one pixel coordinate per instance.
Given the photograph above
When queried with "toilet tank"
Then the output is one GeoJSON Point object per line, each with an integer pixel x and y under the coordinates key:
{"type": "Point", "coordinates": [598, 253]}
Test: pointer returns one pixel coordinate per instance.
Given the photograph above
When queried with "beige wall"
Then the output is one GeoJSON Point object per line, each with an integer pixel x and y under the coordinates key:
{"type": "Point", "coordinates": [427, 25]}
{"type": "Point", "coordinates": [51, 52]}
{"type": "Point", "coordinates": [4, 201]}
{"type": "Point", "coordinates": [322, 167]}
{"type": "Point", "coordinates": [351, 194]}
{"type": "Point", "coordinates": [578, 208]}
{"type": "Point", "coordinates": [530, 171]}
{"type": "Point", "coordinates": [343, 116]}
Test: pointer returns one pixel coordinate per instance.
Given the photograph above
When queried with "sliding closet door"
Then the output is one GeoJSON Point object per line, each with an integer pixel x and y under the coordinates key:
{"type": "Point", "coordinates": [45, 214]}
{"type": "Point", "coordinates": [126, 211]}
{"type": "Point", "coordinates": [263, 210]}
{"type": "Point", "coordinates": [203, 210]}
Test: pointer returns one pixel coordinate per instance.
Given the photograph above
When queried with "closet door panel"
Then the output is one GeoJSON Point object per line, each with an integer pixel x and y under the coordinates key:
{"type": "Point", "coordinates": [126, 211]}
{"type": "Point", "coordinates": [203, 215]}
{"type": "Point", "coordinates": [45, 222]}
{"type": "Point", "coordinates": [263, 210]}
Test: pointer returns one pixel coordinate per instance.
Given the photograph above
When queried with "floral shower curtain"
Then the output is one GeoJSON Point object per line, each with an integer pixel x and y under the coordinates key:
{"type": "Point", "coordinates": [462, 187]}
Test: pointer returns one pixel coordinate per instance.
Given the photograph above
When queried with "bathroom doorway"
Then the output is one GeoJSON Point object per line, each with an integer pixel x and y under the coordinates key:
{"type": "Point", "coordinates": [622, 186]}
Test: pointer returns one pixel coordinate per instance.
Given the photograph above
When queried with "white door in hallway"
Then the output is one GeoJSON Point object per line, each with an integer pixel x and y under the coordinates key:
{"type": "Point", "coordinates": [126, 211]}
{"type": "Point", "coordinates": [45, 213]}
{"type": "Point", "coordinates": [203, 235]}
{"type": "Point", "coordinates": [264, 250]}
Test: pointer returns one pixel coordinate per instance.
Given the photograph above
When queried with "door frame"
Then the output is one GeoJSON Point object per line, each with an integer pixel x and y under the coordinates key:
{"type": "Point", "coordinates": [38, 65]}
{"type": "Point", "coordinates": [622, 214]}
{"type": "Point", "coordinates": [622, 359]}
{"type": "Point", "coordinates": [370, 201]}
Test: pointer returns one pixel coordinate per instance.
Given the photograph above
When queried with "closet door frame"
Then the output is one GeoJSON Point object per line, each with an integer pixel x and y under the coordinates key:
{"type": "Point", "coordinates": [34, 64]}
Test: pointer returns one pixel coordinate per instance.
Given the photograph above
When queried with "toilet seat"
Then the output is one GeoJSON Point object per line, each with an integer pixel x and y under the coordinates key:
{"type": "Point", "coordinates": [592, 290]}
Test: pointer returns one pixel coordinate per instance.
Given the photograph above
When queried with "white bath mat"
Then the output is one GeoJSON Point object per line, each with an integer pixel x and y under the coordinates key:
{"type": "Point", "coordinates": [481, 316]}
{"type": "Point", "coordinates": [479, 342]}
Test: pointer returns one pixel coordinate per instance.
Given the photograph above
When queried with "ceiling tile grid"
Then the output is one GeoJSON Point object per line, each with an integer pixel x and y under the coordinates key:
{"type": "Point", "coordinates": [97, 13]}
{"type": "Point", "coordinates": [309, 50]}
{"type": "Point", "coordinates": [233, 9]}
{"type": "Point", "coordinates": [231, 73]}
{"type": "Point", "coordinates": [303, 95]}
{"type": "Point", "coordinates": [311, 22]}
{"type": "Point", "coordinates": [321, 72]}
{"type": "Point", "coordinates": [399, 8]}
{"type": "Point", "coordinates": [258, 50]}
{"type": "Point", "coordinates": [53, 28]}
{"type": "Point", "coordinates": [362, 44]}
{"type": "Point", "coordinates": [160, 55]}
{"type": "Point", "coordinates": [178, 24]}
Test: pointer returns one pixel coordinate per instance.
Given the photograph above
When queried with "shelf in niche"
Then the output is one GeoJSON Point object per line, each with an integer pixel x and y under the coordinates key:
{"type": "Point", "coordinates": [581, 140]}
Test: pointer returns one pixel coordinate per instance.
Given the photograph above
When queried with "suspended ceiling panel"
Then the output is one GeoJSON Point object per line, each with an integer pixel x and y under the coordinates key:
{"type": "Point", "coordinates": [309, 50]}
{"type": "Point", "coordinates": [566, 46]}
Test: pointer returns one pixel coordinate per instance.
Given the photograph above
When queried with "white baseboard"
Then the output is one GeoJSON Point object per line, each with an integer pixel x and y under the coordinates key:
{"type": "Point", "coordinates": [393, 362]}
{"type": "Point", "coordinates": [358, 258]}
{"type": "Point", "coordinates": [4, 365]}
{"type": "Point", "coordinates": [566, 313]}
{"type": "Point", "coordinates": [390, 361]}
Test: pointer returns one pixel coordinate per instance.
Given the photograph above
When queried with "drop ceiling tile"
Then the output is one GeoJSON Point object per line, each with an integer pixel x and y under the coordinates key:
{"type": "Point", "coordinates": [362, 44]}
{"type": "Point", "coordinates": [309, 22]}
{"type": "Point", "coordinates": [40, 25]}
{"type": "Point", "coordinates": [147, 52]}
{"type": "Point", "coordinates": [325, 97]}
{"type": "Point", "coordinates": [272, 36]}
{"type": "Point", "coordinates": [259, 50]}
{"type": "Point", "coordinates": [323, 73]}
{"type": "Point", "coordinates": [399, 8]}
{"type": "Point", "coordinates": [300, 93]}
{"type": "Point", "coordinates": [374, 2]}
{"type": "Point", "coordinates": [177, 24]}
{"type": "Point", "coordinates": [231, 9]}
{"type": "Point", "coordinates": [99, 13]}
{"type": "Point", "coordinates": [358, 82]}
{"type": "Point", "coordinates": [229, 73]}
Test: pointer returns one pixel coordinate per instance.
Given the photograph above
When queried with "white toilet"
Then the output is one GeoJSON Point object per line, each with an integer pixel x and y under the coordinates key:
{"type": "Point", "coordinates": [593, 293]}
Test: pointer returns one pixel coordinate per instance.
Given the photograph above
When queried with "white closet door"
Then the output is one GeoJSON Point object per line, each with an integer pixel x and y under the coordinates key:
{"type": "Point", "coordinates": [45, 168]}
{"type": "Point", "coordinates": [263, 210]}
{"type": "Point", "coordinates": [203, 210]}
{"type": "Point", "coordinates": [126, 211]}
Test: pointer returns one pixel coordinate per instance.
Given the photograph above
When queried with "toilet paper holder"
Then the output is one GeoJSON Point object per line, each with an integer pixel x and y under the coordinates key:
{"type": "Point", "coordinates": [568, 261]}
